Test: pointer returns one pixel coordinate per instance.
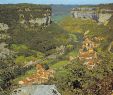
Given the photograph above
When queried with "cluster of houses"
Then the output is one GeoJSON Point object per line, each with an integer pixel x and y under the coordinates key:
{"type": "Point", "coordinates": [87, 53]}
{"type": "Point", "coordinates": [41, 76]}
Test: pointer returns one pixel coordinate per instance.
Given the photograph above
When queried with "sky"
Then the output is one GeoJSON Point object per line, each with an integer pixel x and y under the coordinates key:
{"type": "Point", "coordinates": [56, 1]}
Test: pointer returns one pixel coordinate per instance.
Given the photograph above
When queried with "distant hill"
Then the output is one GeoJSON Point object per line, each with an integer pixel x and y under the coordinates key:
{"type": "Point", "coordinates": [106, 6]}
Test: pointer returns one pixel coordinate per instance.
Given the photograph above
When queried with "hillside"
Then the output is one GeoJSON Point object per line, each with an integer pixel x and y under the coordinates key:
{"type": "Point", "coordinates": [91, 71]}
{"type": "Point", "coordinates": [25, 14]}
{"type": "Point", "coordinates": [29, 37]}
{"type": "Point", "coordinates": [100, 15]}
{"type": "Point", "coordinates": [73, 54]}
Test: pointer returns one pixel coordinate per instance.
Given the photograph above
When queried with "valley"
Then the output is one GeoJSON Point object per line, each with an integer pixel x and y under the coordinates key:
{"type": "Point", "coordinates": [63, 47]}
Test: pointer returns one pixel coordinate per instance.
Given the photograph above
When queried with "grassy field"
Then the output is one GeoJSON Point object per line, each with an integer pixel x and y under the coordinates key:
{"type": "Point", "coordinates": [73, 53]}
{"type": "Point", "coordinates": [60, 64]}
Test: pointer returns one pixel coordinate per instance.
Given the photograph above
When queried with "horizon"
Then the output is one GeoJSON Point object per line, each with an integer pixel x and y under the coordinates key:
{"type": "Point", "coordinates": [57, 2]}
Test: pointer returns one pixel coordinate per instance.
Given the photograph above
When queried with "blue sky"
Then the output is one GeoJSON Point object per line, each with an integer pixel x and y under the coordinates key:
{"type": "Point", "coordinates": [56, 1]}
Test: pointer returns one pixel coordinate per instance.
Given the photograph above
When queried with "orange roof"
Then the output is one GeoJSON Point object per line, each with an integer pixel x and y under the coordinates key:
{"type": "Point", "coordinates": [90, 62]}
{"type": "Point", "coordinates": [84, 54]}
{"type": "Point", "coordinates": [39, 66]}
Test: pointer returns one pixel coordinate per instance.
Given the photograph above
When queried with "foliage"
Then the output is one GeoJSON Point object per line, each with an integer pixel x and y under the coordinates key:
{"type": "Point", "coordinates": [9, 71]}
{"type": "Point", "coordinates": [82, 25]}
{"type": "Point", "coordinates": [18, 47]}
{"type": "Point", "coordinates": [78, 80]}
{"type": "Point", "coordinates": [39, 40]}
{"type": "Point", "coordinates": [28, 73]}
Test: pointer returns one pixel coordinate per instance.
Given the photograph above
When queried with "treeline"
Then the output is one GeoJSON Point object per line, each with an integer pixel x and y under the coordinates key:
{"type": "Point", "coordinates": [23, 5]}
{"type": "Point", "coordinates": [106, 6]}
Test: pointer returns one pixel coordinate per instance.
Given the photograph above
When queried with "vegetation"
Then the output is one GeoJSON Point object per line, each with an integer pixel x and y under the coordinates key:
{"type": "Point", "coordinates": [8, 72]}
{"type": "Point", "coordinates": [75, 78]}
{"type": "Point", "coordinates": [82, 25]}
{"type": "Point", "coordinates": [53, 46]}
{"type": "Point", "coordinates": [60, 64]}
{"type": "Point", "coordinates": [40, 40]}
{"type": "Point", "coordinates": [11, 14]}
{"type": "Point", "coordinates": [31, 44]}
{"type": "Point", "coordinates": [81, 81]}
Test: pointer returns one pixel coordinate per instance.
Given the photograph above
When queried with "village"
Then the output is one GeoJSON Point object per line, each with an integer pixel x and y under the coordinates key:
{"type": "Point", "coordinates": [87, 54]}
{"type": "Point", "coordinates": [41, 76]}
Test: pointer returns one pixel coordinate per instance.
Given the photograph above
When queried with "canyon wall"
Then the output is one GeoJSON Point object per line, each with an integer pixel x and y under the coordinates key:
{"type": "Point", "coordinates": [101, 16]}
{"type": "Point", "coordinates": [25, 14]}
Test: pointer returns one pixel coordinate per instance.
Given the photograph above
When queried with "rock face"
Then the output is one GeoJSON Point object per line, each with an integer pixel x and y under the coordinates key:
{"type": "Point", "coordinates": [41, 21]}
{"type": "Point", "coordinates": [104, 18]}
{"type": "Point", "coordinates": [88, 13]}
{"type": "Point", "coordinates": [36, 90]}
{"type": "Point", "coordinates": [25, 14]}
{"type": "Point", "coordinates": [4, 52]}
{"type": "Point", "coordinates": [3, 27]}
{"type": "Point", "coordinates": [101, 16]}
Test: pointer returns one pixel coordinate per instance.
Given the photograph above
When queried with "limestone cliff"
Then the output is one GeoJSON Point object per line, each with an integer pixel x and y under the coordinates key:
{"type": "Point", "coordinates": [99, 15]}
{"type": "Point", "coordinates": [25, 14]}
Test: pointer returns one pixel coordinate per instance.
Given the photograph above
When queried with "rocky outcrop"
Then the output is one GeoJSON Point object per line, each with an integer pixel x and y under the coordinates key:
{"type": "Point", "coordinates": [25, 14]}
{"type": "Point", "coordinates": [110, 47]}
{"type": "Point", "coordinates": [101, 16]}
{"type": "Point", "coordinates": [86, 13]}
{"type": "Point", "coordinates": [4, 52]}
{"type": "Point", "coordinates": [36, 90]}
{"type": "Point", "coordinates": [3, 27]}
{"type": "Point", "coordinates": [41, 21]}
{"type": "Point", "coordinates": [104, 18]}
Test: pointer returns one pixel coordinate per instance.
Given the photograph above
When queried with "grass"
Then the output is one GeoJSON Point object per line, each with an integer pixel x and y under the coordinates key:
{"type": "Point", "coordinates": [59, 68]}
{"type": "Point", "coordinates": [82, 25]}
{"type": "Point", "coordinates": [73, 53]}
{"type": "Point", "coordinates": [77, 25]}
{"type": "Point", "coordinates": [60, 64]}
{"type": "Point", "coordinates": [61, 73]}
{"type": "Point", "coordinates": [22, 77]}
